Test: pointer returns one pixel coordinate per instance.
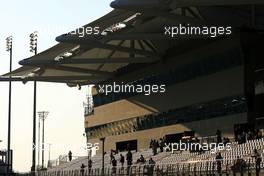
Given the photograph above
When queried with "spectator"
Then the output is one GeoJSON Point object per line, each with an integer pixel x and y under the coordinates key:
{"type": "Point", "coordinates": [257, 161]}
{"type": "Point", "coordinates": [114, 164]}
{"type": "Point", "coordinates": [141, 159]}
{"type": "Point", "coordinates": [90, 165]}
{"type": "Point", "coordinates": [129, 158]}
{"type": "Point", "coordinates": [122, 160]}
{"type": "Point", "coordinates": [155, 147]}
{"type": "Point", "coordinates": [111, 156]}
{"type": "Point", "coordinates": [82, 169]}
{"type": "Point", "coordinates": [219, 160]}
{"type": "Point", "coordinates": [162, 144]}
{"type": "Point", "coordinates": [151, 143]}
{"type": "Point", "coordinates": [151, 166]}
{"type": "Point", "coordinates": [218, 136]}
{"type": "Point", "coordinates": [70, 156]}
{"type": "Point", "coordinates": [259, 134]}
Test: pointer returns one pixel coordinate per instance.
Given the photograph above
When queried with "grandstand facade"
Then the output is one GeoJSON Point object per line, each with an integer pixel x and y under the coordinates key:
{"type": "Point", "coordinates": [204, 86]}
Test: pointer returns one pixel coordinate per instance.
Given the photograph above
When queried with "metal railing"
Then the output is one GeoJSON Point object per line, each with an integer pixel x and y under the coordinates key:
{"type": "Point", "coordinates": [201, 168]}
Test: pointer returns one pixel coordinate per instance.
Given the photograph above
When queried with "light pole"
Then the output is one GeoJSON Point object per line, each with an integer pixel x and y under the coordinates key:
{"type": "Point", "coordinates": [9, 48]}
{"type": "Point", "coordinates": [33, 48]}
{"type": "Point", "coordinates": [42, 116]}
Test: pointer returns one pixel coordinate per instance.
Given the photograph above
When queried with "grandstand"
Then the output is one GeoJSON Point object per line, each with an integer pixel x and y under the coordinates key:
{"type": "Point", "coordinates": [180, 88]}
{"type": "Point", "coordinates": [175, 163]}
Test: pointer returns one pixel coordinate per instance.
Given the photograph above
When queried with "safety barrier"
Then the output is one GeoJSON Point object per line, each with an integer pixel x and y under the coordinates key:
{"type": "Point", "coordinates": [197, 168]}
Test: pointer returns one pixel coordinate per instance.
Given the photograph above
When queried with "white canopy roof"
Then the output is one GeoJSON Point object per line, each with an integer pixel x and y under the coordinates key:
{"type": "Point", "coordinates": [125, 37]}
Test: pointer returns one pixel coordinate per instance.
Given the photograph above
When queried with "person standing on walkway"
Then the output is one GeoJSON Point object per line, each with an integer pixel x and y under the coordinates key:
{"type": "Point", "coordinates": [122, 160]}
{"type": "Point", "coordinates": [219, 160]}
{"type": "Point", "coordinates": [82, 169]}
{"type": "Point", "coordinates": [257, 161]}
{"type": "Point", "coordinates": [90, 165]}
{"type": "Point", "coordinates": [114, 165]}
{"type": "Point", "coordinates": [70, 156]}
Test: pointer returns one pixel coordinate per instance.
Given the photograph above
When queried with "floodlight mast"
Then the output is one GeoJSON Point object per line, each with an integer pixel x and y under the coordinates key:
{"type": "Point", "coordinates": [33, 48]}
{"type": "Point", "coordinates": [9, 48]}
{"type": "Point", "coordinates": [42, 116]}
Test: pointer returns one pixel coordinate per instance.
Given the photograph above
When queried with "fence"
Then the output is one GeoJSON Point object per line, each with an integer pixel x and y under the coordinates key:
{"type": "Point", "coordinates": [202, 168]}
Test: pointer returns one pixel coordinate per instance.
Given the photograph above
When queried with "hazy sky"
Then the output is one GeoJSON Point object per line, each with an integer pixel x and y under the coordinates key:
{"type": "Point", "coordinates": [64, 125]}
